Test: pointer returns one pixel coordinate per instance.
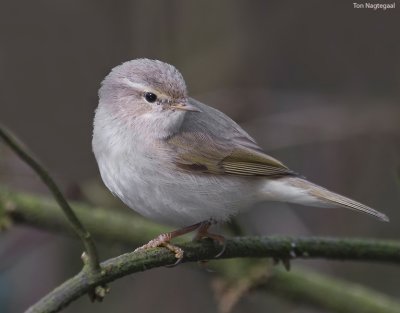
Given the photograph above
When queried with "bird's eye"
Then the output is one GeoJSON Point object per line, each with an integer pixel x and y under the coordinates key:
{"type": "Point", "coordinates": [150, 97]}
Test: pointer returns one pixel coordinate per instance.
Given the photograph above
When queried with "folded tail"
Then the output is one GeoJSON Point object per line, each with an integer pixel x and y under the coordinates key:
{"type": "Point", "coordinates": [298, 190]}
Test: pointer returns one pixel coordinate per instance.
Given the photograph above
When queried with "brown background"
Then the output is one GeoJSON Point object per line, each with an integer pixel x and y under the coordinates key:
{"type": "Point", "coordinates": [315, 82]}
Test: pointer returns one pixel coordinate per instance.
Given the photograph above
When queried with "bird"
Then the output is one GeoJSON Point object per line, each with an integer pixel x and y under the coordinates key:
{"type": "Point", "coordinates": [178, 161]}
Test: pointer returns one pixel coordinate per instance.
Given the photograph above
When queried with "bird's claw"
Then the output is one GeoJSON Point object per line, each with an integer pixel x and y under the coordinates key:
{"type": "Point", "coordinates": [163, 241]}
{"type": "Point", "coordinates": [223, 243]}
{"type": "Point", "coordinates": [203, 233]}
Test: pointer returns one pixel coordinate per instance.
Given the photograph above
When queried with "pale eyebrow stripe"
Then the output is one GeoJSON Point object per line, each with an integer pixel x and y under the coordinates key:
{"type": "Point", "coordinates": [142, 87]}
{"type": "Point", "coordinates": [129, 83]}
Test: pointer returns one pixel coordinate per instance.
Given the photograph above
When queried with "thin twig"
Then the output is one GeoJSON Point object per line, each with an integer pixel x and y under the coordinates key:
{"type": "Point", "coordinates": [83, 234]}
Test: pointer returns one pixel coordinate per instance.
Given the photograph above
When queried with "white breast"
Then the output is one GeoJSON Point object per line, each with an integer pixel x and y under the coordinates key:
{"type": "Point", "coordinates": [143, 177]}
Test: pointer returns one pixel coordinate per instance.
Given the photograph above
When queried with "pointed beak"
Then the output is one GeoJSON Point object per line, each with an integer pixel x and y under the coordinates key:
{"type": "Point", "coordinates": [184, 107]}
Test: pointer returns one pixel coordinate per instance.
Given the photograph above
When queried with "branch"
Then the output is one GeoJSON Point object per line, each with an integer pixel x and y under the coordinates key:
{"type": "Point", "coordinates": [83, 234]}
{"type": "Point", "coordinates": [300, 286]}
{"type": "Point", "coordinates": [30, 209]}
{"type": "Point", "coordinates": [304, 286]}
{"type": "Point", "coordinates": [277, 247]}
{"type": "Point", "coordinates": [115, 225]}
{"type": "Point", "coordinates": [131, 229]}
{"type": "Point", "coordinates": [110, 225]}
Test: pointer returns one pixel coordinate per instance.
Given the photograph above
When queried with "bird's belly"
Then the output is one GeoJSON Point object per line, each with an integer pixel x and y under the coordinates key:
{"type": "Point", "coordinates": [176, 197]}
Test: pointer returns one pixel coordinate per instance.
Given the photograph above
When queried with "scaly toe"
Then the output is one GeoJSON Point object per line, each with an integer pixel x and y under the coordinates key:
{"type": "Point", "coordinates": [176, 250]}
{"type": "Point", "coordinates": [162, 242]}
{"type": "Point", "coordinates": [154, 243]}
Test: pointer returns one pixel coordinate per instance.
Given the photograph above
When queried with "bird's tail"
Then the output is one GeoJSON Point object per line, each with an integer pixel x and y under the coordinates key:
{"type": "Point", "coordinates": [305, 192]}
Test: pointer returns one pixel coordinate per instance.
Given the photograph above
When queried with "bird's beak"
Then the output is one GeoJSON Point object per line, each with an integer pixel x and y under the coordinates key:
{"type": "Point", "coordinates": [184, 107]}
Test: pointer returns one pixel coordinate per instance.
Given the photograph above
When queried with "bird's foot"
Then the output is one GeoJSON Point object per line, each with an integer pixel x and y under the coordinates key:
{"type": "Point", "coordinates": [163, 240]}
{"type": "Point", "coordinates": [203, 232]}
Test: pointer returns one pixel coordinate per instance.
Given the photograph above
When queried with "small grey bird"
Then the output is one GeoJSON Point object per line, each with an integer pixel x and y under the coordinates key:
{"type": "Point", "coordinates": [176, 160]}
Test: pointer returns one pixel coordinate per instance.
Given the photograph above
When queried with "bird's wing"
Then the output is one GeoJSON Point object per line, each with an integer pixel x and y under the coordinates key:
{"type": "Point", "coordinates": [210, 142]}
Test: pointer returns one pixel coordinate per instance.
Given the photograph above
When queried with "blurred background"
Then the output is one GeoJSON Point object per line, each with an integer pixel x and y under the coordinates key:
{"type": "Point", "coordinates": [317, 83]}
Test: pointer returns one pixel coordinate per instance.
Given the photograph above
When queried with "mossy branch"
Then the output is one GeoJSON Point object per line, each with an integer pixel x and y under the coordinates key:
{"type": "Point", "coordinates": [277, 247]}
{"type": "Point", "coordinates": [332, 294]}
{"type": "Point", "coordinates": [118, 226]}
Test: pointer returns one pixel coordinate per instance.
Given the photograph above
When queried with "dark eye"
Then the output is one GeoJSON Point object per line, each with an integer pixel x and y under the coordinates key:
{"type": "Point", "coordinates": [150, 97]}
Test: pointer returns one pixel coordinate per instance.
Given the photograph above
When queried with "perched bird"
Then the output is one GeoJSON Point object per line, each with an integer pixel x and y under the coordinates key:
{"type": "Point", "coordinates": [176, 160]}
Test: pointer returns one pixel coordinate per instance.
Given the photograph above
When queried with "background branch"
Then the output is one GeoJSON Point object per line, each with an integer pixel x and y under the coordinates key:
{"type": "Point", "coordinates": [83, 234]}
{"type": "Point", "coordinates": [300, 286]}
{"type": "Point", "coordinates": [308, 287]}
{"type": "Point", "coordinates": [114, 225]}
{"type": "Point", "coordinates": [118, 226]}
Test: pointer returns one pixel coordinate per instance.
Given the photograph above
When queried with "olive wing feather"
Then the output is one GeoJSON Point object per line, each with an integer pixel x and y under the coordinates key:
{"type": "Point", "coordinates": [210, 142]}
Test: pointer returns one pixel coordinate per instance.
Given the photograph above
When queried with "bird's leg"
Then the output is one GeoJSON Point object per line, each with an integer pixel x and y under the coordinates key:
{"type": "Point", "coordinates": [202, 232]}
{"type": "Point", "coordinates": [163, 240]}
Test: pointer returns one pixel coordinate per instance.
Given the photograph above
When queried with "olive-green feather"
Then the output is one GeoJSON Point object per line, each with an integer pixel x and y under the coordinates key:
{"type": "Point", "coordinates": [199, 152]}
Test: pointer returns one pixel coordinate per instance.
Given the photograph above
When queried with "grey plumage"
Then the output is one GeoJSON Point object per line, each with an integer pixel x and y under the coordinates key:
{"type": "Point", "coordinates": [180, 161]}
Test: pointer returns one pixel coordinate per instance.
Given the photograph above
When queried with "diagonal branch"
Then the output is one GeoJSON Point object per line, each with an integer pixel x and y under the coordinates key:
{"type": "Point", "coordinates": [83, 234]}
